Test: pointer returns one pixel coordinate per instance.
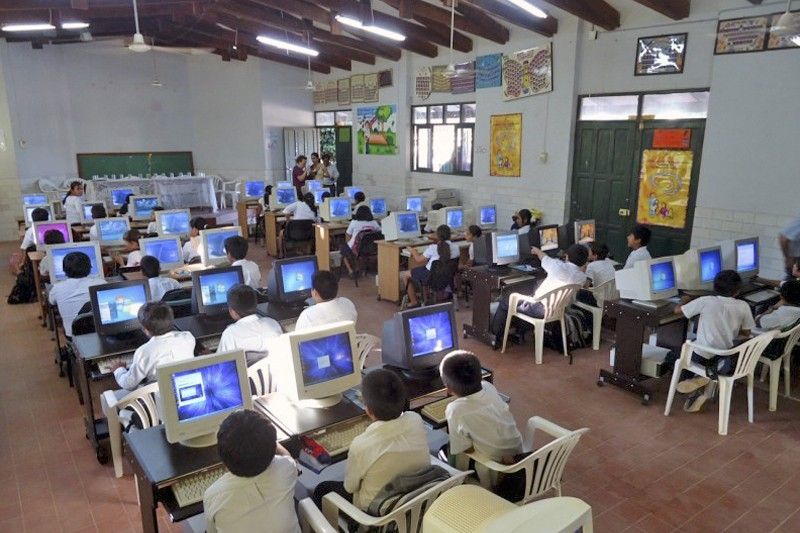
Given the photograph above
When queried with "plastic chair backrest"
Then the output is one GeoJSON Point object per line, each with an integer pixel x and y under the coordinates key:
{"type": "Point", "coordinates": [260, 376]}
{"type": "Point", "coordinates": [555, 301]}
{"type": "Point", "coordinates": [605, 291]}
{"type": "Point", "coordinates": [545, 467]}
{"type": "Point", "coordinates": [299, 230]}
{"type": "Point", "coordinates": [142, 401]}
{"type": "Point", "coordinates": [750, 352]}
{"type": "Point", "coordinates": [790, 337]}
{"type": "Point", "coordinates": [365, 344]}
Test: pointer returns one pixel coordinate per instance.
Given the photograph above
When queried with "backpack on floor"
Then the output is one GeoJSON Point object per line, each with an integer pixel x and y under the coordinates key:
{"type": "Point", "coordinates": [24, 289]}
{"type": "Point", "coordinates": [579, 331]}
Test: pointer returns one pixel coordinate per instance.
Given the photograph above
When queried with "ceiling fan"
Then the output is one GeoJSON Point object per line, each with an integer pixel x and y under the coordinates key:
{"type": "Point", "coordinates": [453, 70]}
{"type": "Point", "coordinates": [138, 43]}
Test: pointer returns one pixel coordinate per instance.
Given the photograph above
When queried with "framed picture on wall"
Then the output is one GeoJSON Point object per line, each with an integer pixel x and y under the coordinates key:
{"type": "Point", "coordinates": [660, 54]}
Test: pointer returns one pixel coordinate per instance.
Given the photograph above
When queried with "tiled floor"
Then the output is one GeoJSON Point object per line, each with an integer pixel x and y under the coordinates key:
{"type": "Point", "coordinates": [639, 470]}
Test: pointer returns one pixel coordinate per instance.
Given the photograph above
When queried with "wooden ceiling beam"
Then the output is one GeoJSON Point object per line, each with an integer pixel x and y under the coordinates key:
{"type": "Point", "coordinates": [597, 12]}
{"type": "Point", "coordinates": [425, 13]}
{"type": "Point", "coordinates": [674, 9]}
{"type": "Point", "coordinates": [547, 27]}
{"type": "Point", "coordinates": [11, 5]}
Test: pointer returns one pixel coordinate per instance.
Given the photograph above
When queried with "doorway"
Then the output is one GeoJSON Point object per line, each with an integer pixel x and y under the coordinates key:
{"type": "Point", "coordinates": [336, 138]}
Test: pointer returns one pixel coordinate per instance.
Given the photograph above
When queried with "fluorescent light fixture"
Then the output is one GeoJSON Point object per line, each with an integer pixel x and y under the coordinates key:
{"type": "Point", "coordinates": [530, 8]}
{"type": "Point", "coordinates": [28, 27]}
{"type": "Point", "coordinates": [377, 30]}
{"type": "Point", "coordinates": [283, 45]}
{"type": "Point", "coordinates": [74, 25]}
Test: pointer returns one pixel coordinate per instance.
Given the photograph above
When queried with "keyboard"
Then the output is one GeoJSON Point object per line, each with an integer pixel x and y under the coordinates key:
{"type": "Point", "coordinates": [211, 343]}
{"type": "Point", "coordinates": [336, 440]}
{"type": "Point", "coordinates": [190, 489]}
{"type": "Point", "coordinates": [108, 363]}
{"type": "Point", "coordinates": [761, 296]}
{"type": "Point", "coordinates": [434, 411]}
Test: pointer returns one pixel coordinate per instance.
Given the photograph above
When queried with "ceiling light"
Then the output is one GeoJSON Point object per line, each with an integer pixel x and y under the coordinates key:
{"type": "Point", "coordinates": [28, 27]}
{"type": "Point", "coordinates": [377, 30]}
{"type": "Point", "coordinates": [530, 8]}
{"type": "Point", "coordinates": [283, 45]}
{"type": "Point", "coordinates": [74, 25]}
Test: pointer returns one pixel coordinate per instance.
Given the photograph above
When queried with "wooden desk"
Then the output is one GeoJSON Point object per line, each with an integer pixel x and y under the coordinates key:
{"type": "Point", "coordinates": [242, 209]}
{"type": "Point", "coordinates": [272, 226]}
{"type": "Point", "coordinates": [323, 237]}
{"type": "Point", "coordinates": [36, 259]}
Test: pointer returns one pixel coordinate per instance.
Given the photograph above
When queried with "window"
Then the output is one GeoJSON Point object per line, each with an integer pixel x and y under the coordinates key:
{"type": "Point", "coordinates": [341, 117]}
{"type": "Point", "coordinates": [443, 138]}
{"type": "Point", "coordinates": [654, 106]}
{"type": "Point", "coordinates": [672, 106]}
{"type": "Point", "coordinates": [624, 107]}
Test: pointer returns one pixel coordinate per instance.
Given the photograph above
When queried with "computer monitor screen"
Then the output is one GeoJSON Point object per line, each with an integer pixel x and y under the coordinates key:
{"type": "Point", "coordinates": [40, 228]}
{"type": "Point", "coordinates": [377, 206]}
{"type": "Point", "coordinates": [286, 196]}
{"type": "Point", "coordinates": [57, 252]}
{"type": "Point", "coordinates": [207, 390]}
{"type": "Point", "coordinates": [118, 196]}
{"type": "Point", "coordinates": [746, 256]}
{"type": "Point", "coordinates": [318, 199]}
{"type": "Point", "coordinates": [111, 230]}
{"type": "Point", "coordinates": [297, 276]}
{"type": "Point", "coordinates": [416, 340]}
{"type": "Point", "coordinates": [325, 358]}
{"type": "Point", "coordinates": [214, 287]}
{"type": "Point", "coordinates": [87, 210]}
{"type": "Point", "coordinates": [143, 206]}
{"type": "Point", "coordinates": [116, 305]}
{"type": "Point", "coordinates": [314, 185]}
{"type": "Point", "coordinates": [212, 245]}
{"type": "Point", "coordinates": [34, 199]}
{"type": "Point", "coordinates": [548, 238]}
{"type": "Point", "coordinates": [166, 250]}
{"type": "Point", "coordinates": [173, 222]}
{"type": "Point", "coordinates": [351, 192]}
{"type": "Point", "coordinates": [506, 248]}
{"type": "Point", "coordinates": [710, 264]}
{"type": "Point", "coordinates": [584, 231]}
{"type": "Point", "coordinates": [488, 215]}
{"type": "Point", "coordinates": [414, 203]}
{"type": "Point", "coordinates": [455, 218]}
{"type": "Point", "coordinates": [430, 333]}
{"type": "Point", "coordinates": [662, 277]}
{"type": "Point", "coordinates": [340, 208]}
{"type": "Point", "coordinates": [254, 188]}
{"type": "Point", "coordinates": [29, 209]}
{"type": "Point", "coordinates": [408, 223]}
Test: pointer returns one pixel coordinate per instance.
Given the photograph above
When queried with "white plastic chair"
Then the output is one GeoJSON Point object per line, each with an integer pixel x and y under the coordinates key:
{"type": "Point", "coordinates": [311, 518]}
{"type": "Point", "coordinates": [603, 292]}
{"type": "Point", "coordinates": [473, 509]}
{"type": "Point", "coordinates": [225, 189]}
{"type": "Point", "coordinates": [49, 188]}
{"type": "Point", "coordinates": [407, 517]}
{"type": "Point", "coordinates": [142, 401]}
{"type": "Point", "coordinates": [543, 468]}
{"type": "Point", "coordinates": [748, 355]}
{"type": "Point", "coordinates": [773, 366]}
{"type": "Point", "coordinates": [261, 380]}
{"type": "Point", "coordinates": [365, 344]}
{"type": "Point", "coordinates": [555, 303]}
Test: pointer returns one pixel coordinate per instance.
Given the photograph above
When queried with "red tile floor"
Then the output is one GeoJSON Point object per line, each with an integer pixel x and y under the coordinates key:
{"type": "Point", "coordinates": [639, 470]}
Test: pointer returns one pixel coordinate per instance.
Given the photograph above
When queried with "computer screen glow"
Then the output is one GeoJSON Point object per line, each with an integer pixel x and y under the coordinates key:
{"type": "Point", "coordinates": [710, 265]}
{"type": "Point", "coordinates": [662, 276]}
{"type": "Point", "coordinates": [315, 185]}
{"type": "Point", "coordinates": [340, 207]}
{"type": "Point", "coordinates": [297, 276]}
{"type": "Point", "coordinates": [325, 358]}
{"type": "Point", "coordinates": [414, 203]}
{"type": "Point", "coordinates": [111, 229]}
{"type": "Point", "coordinates": [254, 189]}
{"type": "Point", "coordinates": [61, 227]}
{"type": "Point", "coordinates": [120, 304]}
{"type": "Point", "coordinates": [216, 243]}
{"type": "Point", "coordinates": [351, 192]}
{"type": "Point", "coordinates": [58, 260]}
{"type": "Point", "coordinates": [174, 223]}
{"type": "Point", "coordinates": [34, 199]}
{"type": "Point", "coordinates": [488, 216]}
{"type": "Point", "coordinates": [548, 239]}
{"type": "Point", "coordinates": [408, 223]}
{"type": "Point", "coordinates": [455, 218]}
{"type": "Point", "coordinates": [507, 245]}
{"type": "Point", "coordinates": [318, 196]}
{"type": "Point", "coordinates": [207, 390]}
{"type": "Point", "coordinates": [746, 257]}
{"type": "Point", "coordinates": [144, 206]}
{"type": "Point", "coordinates": [214, 287]}
{"type": "Point", "coordinates": [166, 251]}
{"type": "Point", "coordinates": [286, 196]}
{"type": "Point", "coordinates": [430, 333]}
{"type": "Point", "coordinates": [118, 196]}
{"type": "Point", "coordinates": [377, 206]}
{"type": "Point", "coordinates": [586, 232]}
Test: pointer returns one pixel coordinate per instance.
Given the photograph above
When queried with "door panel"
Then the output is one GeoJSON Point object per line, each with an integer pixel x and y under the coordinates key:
{"type": "Point", "coordinates": [344, 156]}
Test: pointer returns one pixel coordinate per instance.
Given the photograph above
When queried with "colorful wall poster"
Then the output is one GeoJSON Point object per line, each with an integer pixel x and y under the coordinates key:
{"type": "Point", "coordinates": [422, 83]}
{"type": "Point", "coordinates": [746, 34]}
{"type": "Point", "coordinates": [664, 187]}
{"type": "Point", "coordinates": [441, 83]}
{"type": "Point", "coordinates": [506, 145]}
{"type": "Point", "coordinates": [489, 71]}
{"type": "Point", "coordinates": [377, 130]}
{"type": "Point", "coordinates": [528, 72]}
{"type": "Point", "coordinates": [464, 82]}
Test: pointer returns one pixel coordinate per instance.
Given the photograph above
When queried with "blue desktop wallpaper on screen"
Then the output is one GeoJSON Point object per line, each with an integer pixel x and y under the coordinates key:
{"type": "Point", "coordinates": [286, 196]}
{"type": "Point", "coordinates": [430, 333]}
{"type": "Point", "coordinates": [254, 188]}
{"type": "Point", "coordinates": [340, 207]}
{"type": "Point", "coordinates": [112, 230]}
{"type": "Point", "coordinates": [118, 305]}
{"type": "Point", "coordinates": [214, 287]}
{"type": "Point", "coordinates": [118, 195]}
{"type": "Point", "coordinates": [326, 358]}
{"type": "Point", "coordinates": [407, 223]}
{"type": "Point", "coordinates": [216, 243]}
{"type": "Point", "coordinates": [145, 205]}
{"type": "Point", "coordinates": [219, 391]}
{"type": "Point", "coordinates": [166, 251]}
{"type": "Point", "coordinates": [710, 265]}
{"type": "Point", "coordinates": [663, 276]}
{"type": "Point", "coordinates": [58, 260]}
{"type": "Point", "coordinates": [488, 215]}
{"type": "Point", "coordinates": [297, 276]}
{"type": "Point", "coordinates": [455, 219]}
{"type": "Point", "coordinates": [175, 222]}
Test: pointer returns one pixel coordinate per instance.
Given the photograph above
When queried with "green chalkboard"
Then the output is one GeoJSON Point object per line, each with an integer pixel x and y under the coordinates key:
{"type": "Point", "coordinates": [134, 163]}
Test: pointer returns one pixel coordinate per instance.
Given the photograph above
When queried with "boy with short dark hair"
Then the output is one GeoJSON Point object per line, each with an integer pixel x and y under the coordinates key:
{"type": "Point", "coordinates": [638, 239]}
{"type": "Point", "coordinates": [165, 346]}
{"type": "Point", "coordinates": [236, 248]}
{"type": "Point", "coordinates": [473, 232]}
{"type": "Point", "coordinates": [159, 285]}
{"type": "Point", "coordinates": [152, 227]}
{"type": "Point", "coordinates": [359, 199]}
{"type": "Point", "coordinates": [328, 307]}
{"type": "Point", "coordinates": [98, 212]}
{"type": "Point", "coordinates": [784, 313]}
{"type": "Point", "coordinates": [71, 294]}
{"type": "Point", "coordinates": [250, 332]}
{"type": "Point", "coordinates": [258, 488]}
{"type": "Point", "coordinates": [51, 236]}
{"type": "Point", "coordinates": [600, 268]}
{"type": "Point", "coordinates": [37, 215]}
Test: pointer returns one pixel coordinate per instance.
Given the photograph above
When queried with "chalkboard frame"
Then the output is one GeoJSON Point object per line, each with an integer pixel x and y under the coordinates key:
{"type": "Point", "coordinates": [85, 174]}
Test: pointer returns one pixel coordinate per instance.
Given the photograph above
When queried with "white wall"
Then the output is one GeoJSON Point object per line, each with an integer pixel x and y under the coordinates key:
{"type": "Point", "coordinates": [10, 197]}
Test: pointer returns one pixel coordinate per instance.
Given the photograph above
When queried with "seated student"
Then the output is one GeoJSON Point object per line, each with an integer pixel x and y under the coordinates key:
{"type": "Point", "coordinates": [570, 271]}
{"type": "Point", "coordinates": [300, 210]}
{"type": "Point", "coordinates": [123, 209]}
{"type": "Point", "coordinates": [51, 236]}
{"type": "Point", "coordinates": [251, 332]}
{"type": "Point", "coordinates": [165, 346]}
{"type": "Point", "coordinates": [473, 232]}
{"type": "Point", "coordinates": [98, 212]}
{"type": "Point", "coordinates": [131, 239]}
{"type": "Point", "coordinates": [784, 313]}
{"type": "Point", "coordinates": [600, 268]}
{"type": "Point", "coordinates": [263, 202]}
{"type": "Point", "coordinates": [420, 264]}
{"type": "Point", "coordinates": [429, 227]}
{"type": "Point", "coordinates": [522, 221]}
{"type": "Point", "coordinates": [258, 488]}
{"type": "Point", "coordinates": [362, 221]}
{"type": "Point", "coordinates": [37, 215]}
{"type": "Point", "coordinates": [359, 199]}
{"type": "Point", "coordinates": [159, 285]}
{"type": "Point", "coordinates": [328, 307]}
{"type": "Point", "coordinates": [191, 250]}
{"type": "Point", "coordinates": [722, 318]}
{"type": "Point", "coordinates": [394, 444]}
{"type": "Point", "coordinates": [152, 227]}
{"type": "Point", "coordinates": [236, 249]}
{"type": "Point", "coordinates": [638, 239]}
{"type": "Point", "coordinates": [72, 293]}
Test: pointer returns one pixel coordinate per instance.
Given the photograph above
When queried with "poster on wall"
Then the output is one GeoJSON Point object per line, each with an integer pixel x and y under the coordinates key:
{"type": "Point", "coordinates": [464, 82]}
{"type": "Point", "coordinates": [357, 88]}
{"type": "Point", "coordinates": [371, 87]}
{"type": "Point", "coordinates": [490, 70]}
{"type": "Point", "coordinates": [385, 78]}
{"type": "Point", "coordinates": [319, 93]}
{"type": "Point", "coordinates": [331, 92]}
{"type": "Point", "coordinates": [664, 187]}
{"type": "Point", "coordinates": [527, 72]}
{"type": "Point", "coordinates": [740, 35]}
{"type": "Point", "coordinates": [441, 83]}
{"type": "Point", "coordinates": [377, 130]}
{"type": "Point", "coordinates": [506, 145]}
{"type": "Point", "coordinates": [343, 87]}
{"type": "Point", "coordinates": [661, 54]}
{"type": "Point", "coordinates": [777, 42]}
{"type": "Point", "coordinates": [422, 83]}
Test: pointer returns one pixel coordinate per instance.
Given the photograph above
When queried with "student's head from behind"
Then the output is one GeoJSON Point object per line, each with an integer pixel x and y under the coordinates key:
{"type": "Point", "coordinates": [324, 195]}
{"type": "Point", "coordinates": [128, 199]}
{"type": "Point", "coordinates": [443, 233]}
{"type": "Point", "coordinates": [246, 442]}
{"type": "Point", "coordinates": [578, 255]}
{"type": "Point", "coordinates": [53, 236]}
{"type": "Point", "coordinates": [197, 224]}
{"type": "Point", "coordinates": [156, 318]}
{"type": "Point", "coordinates": [639, 237]}
{"type": "Point", "coordinates": [363, 214]}
{"type": "Point", "coordinates": [359, 197]}
{"type": "Point", "coordinates": [236, 247]}
{"type": "Point", "coordinates": [151, 266]}
{"type": "Point", "coordinates": [40, 214]}
{"type": "Point", "coordinates": [524, 217]}
{"type": "Point", "coordinates": [98, 211]}
{"type": "Point", "coordinates": [158, 208]}
{"type": "Point", "coordinates": [461, 373]}
{"type": "Point", "coordinates": [598, 251]}
{"type": "Point", "coordinates": [384, 395]}
{"type": "Point", "coordinates": [473, 232]}
{"type": "Point", "coordinates": [77, 265]}
{"type": "Point", "coordinates": [790, 292]}
{"type": "Point", "coordinates": [324, 286]}
{"type": "Point", "coordinates": [727, 283]}
{"type": "Point", "coordinates": [437, 206]}
{"type": "Point", "coordinates": [242, 301]}
{"type": "Point", "coordinates": [131, 239]}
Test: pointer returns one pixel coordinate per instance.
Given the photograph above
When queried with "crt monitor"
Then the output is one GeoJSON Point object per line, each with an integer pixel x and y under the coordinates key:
{"type": "Point", "coordinates": [414, 203]}
{"type": "Point", "coordinates": [289, 281]}
{"type": "Point", "coordinates": [29, 209]}
{"type": "Point", "coordinates": [548, 237]}
{"type": "Point", "coordinates": [282, 197]}
{"type": "Point", "coordinates": [40, 228]}
{"type": "Point", "coordinates": [313, 185]}
{"type": "Point", "coordinates": [115, 306]}
{"type": "Point", "coordinates": [505, 248]}
{"type": "Point", "coordinates": [110, 231]}
{"type": "Point", "coordinates": [378, 207]}
{"type": "Point", "coordinates": [649, 280]}
{"type": "Point", "coordinates": [319, 364]}
{"type": "Point", "coordinates": [417, 340]}
{"type": "Point", "coordinates": [335, 209]}
{"type": "Point", "coordinates": [210, 289]}
{"type": "Point", "coordinates": [454, 217]}
{"type": "Point", "coordinates": [212, 244]}
{"type": "Point", "coordinates": [400, 225]}
{"type": "Point", "coordinates": [746, 255]}
{"type": "Point", "coordinates": [86, 216]}
{"type": "Point", "coordinates": [141, 207]}
{"type": "Point", "coordinates": [57, 252]}
{"type": "Point", "coordinates": [696, 269]}
{"type": "Point", "coordinates": [34, 199]}
{"type": "Point", "coordinates": [118, 195]}
{"type": "Point", "coordinates": [585, 231]}
{"type": "Point", "coordinates": [318, 199]}
{"type": "Point", "coordinates": [487, 216]}
{"type": "Point", "coordinates": [198, 393]}
{"type": "Point", "coordinates": [166, 249]}
{"type": "Point", "coordinates": [173, 222]}
{"type": "Point", "coordinates": [253, 189]}
{"type": "Point", "coordinates": [350, 191]}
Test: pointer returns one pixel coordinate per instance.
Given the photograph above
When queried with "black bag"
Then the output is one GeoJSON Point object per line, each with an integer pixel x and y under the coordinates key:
{"type": "Point", "coordinates": [579, 331]}
{"type": "Point", "coordinates": [24, 290]}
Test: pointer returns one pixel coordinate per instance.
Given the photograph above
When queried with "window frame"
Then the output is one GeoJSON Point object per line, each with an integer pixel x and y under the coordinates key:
{"type": "Point", "coordinates": [334, 125]}
{"type": "Point", "coordinates": [640, 103]}
{"type": "Point", "coordinates": [461, 125]}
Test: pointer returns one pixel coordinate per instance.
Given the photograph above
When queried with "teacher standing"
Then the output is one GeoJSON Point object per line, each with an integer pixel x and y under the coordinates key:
{"type": "Point", "coordinates": [789, 240]}
{"type": "Point", "coordinates": [299, 175]}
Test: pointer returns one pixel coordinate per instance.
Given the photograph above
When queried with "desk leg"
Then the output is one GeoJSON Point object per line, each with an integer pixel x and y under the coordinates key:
{"type": "Point", "coordinates": [628, 360]}
{"type": "Point", "coordinates": [147, 501]}
{"type": "Point", "coordinates": [94, 427]}
{"type": "Point", "coordinates": [322, 241]}
{"type": "Point", "coordinates": [481, 302]}
{"type": "Point", "coordinates": [271, 234]}
{"type": "Point", "coordinates": [241, 211]}
{"type": "Point", "coordinates": [389, 273]}
{"type": "Point", "coordinates": [37, 280]}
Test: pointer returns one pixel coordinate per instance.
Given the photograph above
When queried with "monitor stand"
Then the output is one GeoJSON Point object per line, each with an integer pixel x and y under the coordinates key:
{"type": "Point", "coordinates": [321, 403]}
{"type": "Point", "coordinates": [201, 441]}
{"type": "Point", "coordinates": [652, 304]}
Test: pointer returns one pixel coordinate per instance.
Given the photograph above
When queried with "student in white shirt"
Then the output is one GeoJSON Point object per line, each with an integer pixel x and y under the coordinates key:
{"type": "Point", "coordinates": [159, 285]}
{"type": "Point", "coordinates": [98, 212]}
{"type": "Point", "coordinates": [165, 346]}
{"type": "Point", "coordinates": [362, 220]}
{"type": "Point", "coordinates": [304, 209]}
{"type": "Point", "coordinates": [72, 293]}
{"type": "Point", "coordinates": [600, 268]}
{"type": "Point", "coordinates": [329, 171]}
{"type": "Point", "coordinates": [394, 444]}
{"type": "Point", "coordinates": [152, 227]}
{"type": "Point", "coordinates": [191, 250]}
{"type": "Point", "coordinates": [328, 307]}
{"type": "Point", "coordinates": [786, 312]}
{"type": "Point", "coordinates": [73, 203]}
{"type": "Point", "coordinates": [638, 239]}
{"type": "Point", "coordinates": [236, 249]}
{"type": "Point", "coordinates": [431, 218]}
{"type": "Point", "coordinates": [473, 232]}
{"type": "Point", "coordinates": [420, 264]}
{"type": "Point", "coordinates": [359, 199]}
{"type": "Point", "coordinates": [131, 239]}
{"type": "Point", "coordinates": [522, 221]}
{"type": "Point", "coordinates": [250, 332]}
{"type": "Point", "coordinates": [257, 492]}
{"type": "Point", "coordinates": [51, 236]}
{"type": "Point", "coordinates": [722, 319]}
{"type": "Point", "coordinates": [37, 215]}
